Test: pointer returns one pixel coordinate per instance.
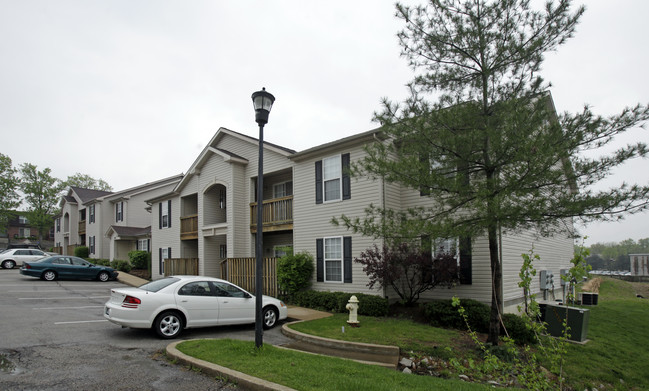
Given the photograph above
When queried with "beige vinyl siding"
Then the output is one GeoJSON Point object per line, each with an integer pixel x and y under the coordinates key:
{"type": "Point", "coordinates": [313, 221]}
{"type": "Point", "coordinates": [555, 252]}
{"type": "Point", "coordinates": [480, 288]}
{"type": "Point", "coordinates": [165, 237]}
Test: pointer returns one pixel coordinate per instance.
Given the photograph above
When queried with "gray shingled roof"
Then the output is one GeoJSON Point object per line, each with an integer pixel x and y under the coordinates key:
{"type": "Point", "coordinates": [131, 231]}
{"type": "Point", "coordinates": [89, 194]}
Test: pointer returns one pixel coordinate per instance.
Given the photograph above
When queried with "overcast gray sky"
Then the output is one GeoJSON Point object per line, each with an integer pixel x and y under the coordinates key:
{"type": "Point", "coordinates": [131, 91]}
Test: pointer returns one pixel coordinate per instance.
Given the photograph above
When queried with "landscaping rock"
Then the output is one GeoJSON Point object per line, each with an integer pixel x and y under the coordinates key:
{"type": "Point", "coordinates": [406, 362]}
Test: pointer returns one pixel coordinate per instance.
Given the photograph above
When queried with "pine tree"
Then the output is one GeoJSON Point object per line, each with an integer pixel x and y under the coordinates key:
{"type": "Point", "coordinates": [480, 137]}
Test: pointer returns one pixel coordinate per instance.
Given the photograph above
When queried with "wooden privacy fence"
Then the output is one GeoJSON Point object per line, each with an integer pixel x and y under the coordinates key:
{"type": "Point", "coordinates": [241, 271]}
{"type": "Point", "coordinates": [181, 266]}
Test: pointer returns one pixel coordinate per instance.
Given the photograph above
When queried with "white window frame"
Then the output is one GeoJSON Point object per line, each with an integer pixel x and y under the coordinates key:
{"type": "Point", "coordinates": [164, 215]}
{"type": "Point", "coordinates": [141, 242]}
{"type": "Point", "coordinates": [24, 232]}
{"type": "Point", "coordinates": [92, 244]}
{"type": "Point", "coordinates": [330, 177]}
{"type": "Point", "coordinates": [330, 259]}
{"type": "Point", "coordinates": [119, 209]}
{"type": "Point", "coordinates": [23, 220]}
{"type": "Point", "coordinates": [280, 189]}
{"type": "Point", "coordinates": [91, 214]}
{"type": "Point", "coordinates": [443, 245]}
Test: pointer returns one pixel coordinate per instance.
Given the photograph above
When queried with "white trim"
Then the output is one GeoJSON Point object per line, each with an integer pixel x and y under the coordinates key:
{"type": "Point", "coordinates": [341, 259]}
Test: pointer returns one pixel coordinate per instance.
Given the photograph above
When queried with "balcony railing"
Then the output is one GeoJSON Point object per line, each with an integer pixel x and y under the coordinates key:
{"type": "Point", "coordinates": [277, 214]}
{"type": "Point", "coordinates": [189, 227]}
{"type": "Point", "coordinates": [82, 227]}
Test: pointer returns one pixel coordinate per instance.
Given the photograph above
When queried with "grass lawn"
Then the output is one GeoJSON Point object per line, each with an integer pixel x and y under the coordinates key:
{"type": "Point", "coordinates": [619, 341]}
{"type": "Point", "coordinates": [614, 358]}
{"type": "Point", "coordinates": [303, 371]}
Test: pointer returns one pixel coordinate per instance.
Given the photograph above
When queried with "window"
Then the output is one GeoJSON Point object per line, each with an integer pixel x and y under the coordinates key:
{"type": "Point", "coordinates": [58, 225]}
{"type": "Point", "coordinates": [332, 182]}
{"type": "Point", "coordinates": [334, 259]}
{"type": "Point", "coordinates": [223, 251]}
{"type": "Point", "coordinates": [222, 197]}
{"type": "Point", "coordinates": [91, 213]}
{"type": "Point", "coordinates": [143, 244]}
{"type": "Point", "coordinates": [197, 288]}
{"type": "Point", "coordinates": [23, 220]}
{"type": "Point", "coordinates": [119, 211]}
{"type": "Point", "coordinates": [23, 232]}
{"type": "Point", "coordinates": [460, 248]}
{"type": "Point", "coordinates": [163, 253]}
{"type": "Point", "coordinates": [226, 290]}
{"type": "Point", "coordinates": [331, 176]}
{"type": "Point", "coordinates": [91, 243]}
{"type": "Point", "coordinates": [165, 214]}
{"type": "Point", "coordinates": [281, 251]}
{"type": "Point", "coordinates": [284, 189]}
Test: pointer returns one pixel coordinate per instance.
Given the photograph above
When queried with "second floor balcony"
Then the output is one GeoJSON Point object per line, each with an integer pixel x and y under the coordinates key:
{"type": "Point", "coordinates": [82, 227]}
{"type": "Point", "coordinates": [277, 215]}
{"type": "Point", "coordinates": [189, 227]}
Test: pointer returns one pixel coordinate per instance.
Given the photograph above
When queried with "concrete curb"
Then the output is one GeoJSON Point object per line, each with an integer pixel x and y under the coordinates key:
{"type": "Point", "coordinates": [242, 380]}
{"type": "Point", "coordinates": [366, 348]}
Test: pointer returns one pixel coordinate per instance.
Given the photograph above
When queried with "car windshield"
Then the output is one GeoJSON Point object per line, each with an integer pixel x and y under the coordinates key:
{"type": "Point", "coordinates": [156, 285]}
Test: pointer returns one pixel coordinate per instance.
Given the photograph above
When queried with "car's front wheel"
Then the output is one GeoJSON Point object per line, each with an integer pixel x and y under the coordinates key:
{"type": "Point", "coordinates": [49, 275]}
{"type": "Point", "coordinates": [270, 317]}
{"type": "Point", "coordinates": [168, 324]}
{"type": "Point", "coordinates": [8, 264]}
{"type": "Point", "coordinates": [103, 276]}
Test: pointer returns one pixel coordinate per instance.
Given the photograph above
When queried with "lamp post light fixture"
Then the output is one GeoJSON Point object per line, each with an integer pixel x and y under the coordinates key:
{"type": "Point", "coordinates": [262, 102]}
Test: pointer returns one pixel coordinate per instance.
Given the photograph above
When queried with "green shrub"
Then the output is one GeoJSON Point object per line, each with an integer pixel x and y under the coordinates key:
{"type": "Point", "coordinates": [122, 266]}
{"type": "Point", "coordinates": [139, 259]}
{"type": "Point", "coordinates": [294, 273]}
{"type": "Point", "coordinates": [81, 252]}
{"type": "Point", "coordinates": [441, 313]}
{"type": "Point", "coordinates": [100, 262]}
{"type": "Point", "coordinates": [368, 305]}
{"type": "Point", "coordinates": [518, 330]}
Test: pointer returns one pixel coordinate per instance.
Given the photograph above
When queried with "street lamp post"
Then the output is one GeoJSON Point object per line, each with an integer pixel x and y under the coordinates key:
{"type": "Point", "coordinates": [262, 102]}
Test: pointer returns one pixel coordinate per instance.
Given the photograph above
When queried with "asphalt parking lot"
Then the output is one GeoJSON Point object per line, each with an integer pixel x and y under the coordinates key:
{"type": "Point", "coordinates": [54, 337]}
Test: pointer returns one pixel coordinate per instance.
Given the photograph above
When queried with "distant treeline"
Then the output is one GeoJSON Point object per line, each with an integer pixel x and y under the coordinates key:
{"type": "Point", "coordinates": [615, 256]}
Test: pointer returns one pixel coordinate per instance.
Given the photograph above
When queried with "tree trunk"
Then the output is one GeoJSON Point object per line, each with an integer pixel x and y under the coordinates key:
{"type": "Point", "coordinates": [496, 287]}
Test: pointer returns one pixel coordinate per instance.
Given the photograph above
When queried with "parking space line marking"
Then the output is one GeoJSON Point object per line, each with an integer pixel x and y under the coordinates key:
{"type": "Point", "coordinates": [62, 298]}
{"type": "Point", "coordinates": [81, 321]}
{"type": "Point", "coordinates": [69, 308]}
{"type": "Point", "coordinates": [57, 291]}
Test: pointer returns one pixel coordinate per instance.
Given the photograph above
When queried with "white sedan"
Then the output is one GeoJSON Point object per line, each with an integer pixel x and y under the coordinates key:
{"type": "Point", "coordinates": [172, 304]}
{"type": "Point", "coordinates": [17, 256]}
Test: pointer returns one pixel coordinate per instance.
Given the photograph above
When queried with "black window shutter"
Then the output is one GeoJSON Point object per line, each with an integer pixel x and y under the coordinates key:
{"type": "Point", "coordinates": [169, 215]}
{"type": "Point", "coordinates": [319, 251]}
{"type": "Point", "coordinates": [347, 258]}
{"type": "Point", "coordinates": [168, 252]}
{"type": "Point", "coordinates": [465, 260]}
{"type": "Point", "coordinates": [347, 186]}
{"type": "Point", "coordinates": [160, 265]}
{"type": "Point", "coordinates": [318, 182]}
{"type": "Point", "coordinates": [160, 216]}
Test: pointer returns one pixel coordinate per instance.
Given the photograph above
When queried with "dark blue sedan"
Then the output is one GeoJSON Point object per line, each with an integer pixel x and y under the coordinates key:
{"type": "Point", "coordinates": [67, 267]}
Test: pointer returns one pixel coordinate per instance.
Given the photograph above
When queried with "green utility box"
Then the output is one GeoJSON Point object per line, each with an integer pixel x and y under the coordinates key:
{"type": "Point", "coordinates": [555, 315]}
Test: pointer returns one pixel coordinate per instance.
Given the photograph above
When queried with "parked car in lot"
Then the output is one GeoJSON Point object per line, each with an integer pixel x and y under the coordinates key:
{"type": "Point", "coordinates": [17, 256]}
{"type": "Point", "coordinates": [172, 304]}
{"type": "Point", "coordinates": [67, 267]}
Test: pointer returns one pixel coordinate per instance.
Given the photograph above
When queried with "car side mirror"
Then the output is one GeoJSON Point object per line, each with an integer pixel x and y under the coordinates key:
{"type": "Point", "coordinates": [247, 296]}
